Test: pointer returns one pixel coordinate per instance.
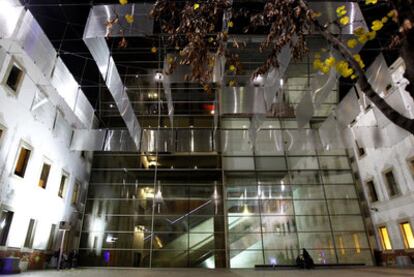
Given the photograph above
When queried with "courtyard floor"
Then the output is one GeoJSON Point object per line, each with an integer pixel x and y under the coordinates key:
{"type": "Point", "coordinates": [94, 272]}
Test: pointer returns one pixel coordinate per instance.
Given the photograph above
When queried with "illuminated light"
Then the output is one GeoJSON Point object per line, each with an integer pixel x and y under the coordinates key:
{"type": "Point", "coordinates": [212, 112]}
{"type": "Point", "coordinates": [111, 105]}
{"type": "Point", "coordinates": [408, 235]}
{"type": "Point", "coordinates": [159, 77]}
{"type": "Point", "coordinates": [356, 242]}
{"type": "Point", "coordinates": [273, 261]}
{"type": "Point", "coordinates": [258, 80]}
{"type": "Point", "coordinates": [3, 223]}
{"type": "Point", "coordinates": [341, 246]}
{"type": "Point", "coordinates": [385, 238]}
{"type": "Point", "coordinates": [282, 82]}
{"type": "Point", "coordinates": [246, 210]}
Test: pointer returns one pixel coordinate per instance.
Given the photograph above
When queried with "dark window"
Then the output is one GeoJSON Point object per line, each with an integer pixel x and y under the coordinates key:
{"type": "Point", "coordinates": [44, 175]}
{"type": "Point", "coordinates": [360, 150]}
{"type": "Point", "coordinates": [1, 133]}
{"type": "Point", "coordinates": [373, 196]}
{"type": "Point", "coordinates": [31, 230]}
{"type": "Point", "coordinates": [392, 186]}
{"type": "Point", "coordinates": [52, 235]}
{"type": "Point", "coordinates": [62, 185]}
{"type": "Point", "coordinates": [22, 162]}
{"type": "Point", "coordinates": [6, 218]}
{"type": "Point", "coordinates": [75, 194]}
{"type": "Point", "coordinates": [411, 164]}
{"type": "Point", "coordinates": [15, 77]}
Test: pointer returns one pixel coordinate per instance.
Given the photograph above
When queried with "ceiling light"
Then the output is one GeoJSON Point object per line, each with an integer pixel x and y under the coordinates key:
{"type": "Point", "coordinates": [159, 77]}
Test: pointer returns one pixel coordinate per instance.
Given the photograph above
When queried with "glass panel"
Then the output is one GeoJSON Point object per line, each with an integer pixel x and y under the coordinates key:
{"type": "Point", "coordinates": [343, 207]}
{"type": "Point", "coordinates": [337, 177]}
{"type": "Point", "coordinates": [280, 241]}
{"type": "Point", "coordinates": [245, 259]}
{"type": "Point", "coordinates": [334, 162]}
{"type": "Point", "coordinates": [238, 163]}
{"type": "Point", "coordinates": [271, 163]}
{"type": "Point", "coordinates": [311, 207]}
{"type": "Point", "coordinates": [305, 177]}
{"type": "Point", "coordinates": [312, 223]}
{"type": "Point", "coordinates": [296, 163]}
{"type": "Point", "coordinates": [245, 241]}
{"type": "Point", "coordinates": [347, 223]}
{"type": "Point", "coordinates": [284, 257]}
{"type": "Point", "coordinates": [340, 191]}
{"type": "Point", "coordinates": [315, 240]}
{"type": "Point", "coordinates": [308, 192]}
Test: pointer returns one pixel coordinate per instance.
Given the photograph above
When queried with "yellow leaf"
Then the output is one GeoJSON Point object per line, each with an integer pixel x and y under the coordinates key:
{"type": "Point", "coordinates": [384, 19]}
{"type": "Point", "coordinates": [352, 43]}
{"type": "Point", "coordinates": [196, 6]}
{"type": "Point", "coordinates": [344, 20]}
{"type": "Point", "coordinates": [230, 24]}
{"type": "Point", "coordinates": [330, 61]}
{"type": "Point", "coordinates": [371, 35]}
{"type": "Point", "coordinates": [359, 31]}
{"type": "Point", "coordinates": [377, 25]}
{"type": "Point", "coordinates": [341, 11]}
{"type": "Point", "coordinates": [232, 68]}
{"type": "Point", "coordinates": [129, 18]}
{"type": "Point", "coordinates": [371, 2]}
{"type": "Point", "coordinates": [154, 50]}
{"type": "Point", "coordinates": [123, 2]}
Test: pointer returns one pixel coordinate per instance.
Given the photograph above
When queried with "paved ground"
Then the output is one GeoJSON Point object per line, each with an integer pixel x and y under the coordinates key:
{"type": "Point", "coordinates": [352, 272]}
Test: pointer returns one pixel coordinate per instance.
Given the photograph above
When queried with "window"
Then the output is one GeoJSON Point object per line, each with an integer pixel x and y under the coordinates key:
{"type": "Point", "coordinates": [14, 78]}
{"type": "Point", "coordinates": [385, 238]}
{"type": "Point", "coordinates": [391, 184]}
{"type": "Point", "coordinates": [75, 193]}
{"type": "Point", "coordinates": [62, 186]}
{"type": "Point", "coordinates": [372, 192]}
{"type": "Point", "coordinates": [411, 165]}
{"type": "Point", "coordinates": [408, 236]}
{"type": "Point", "coordinates": [52, 235]}
{"type": "Point", "coordinates": [22, 161]}
{"type": "Point", "coordinates": [6, 218]}
{"type": "Point", "coordinates": [360, 150]}
{"type": "Point", "coordinates": [44, 175]}
{"type": "Point", "coordinates": [31, 230]}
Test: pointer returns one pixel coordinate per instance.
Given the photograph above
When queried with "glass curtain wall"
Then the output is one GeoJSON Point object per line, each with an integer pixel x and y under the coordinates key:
{"type": "Point", "coordinates": [198, 193]}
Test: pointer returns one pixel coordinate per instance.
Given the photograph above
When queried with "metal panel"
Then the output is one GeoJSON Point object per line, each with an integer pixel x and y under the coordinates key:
{"type": "Point", "coordinates": [65, 84]}
{"type": "Point", "coordinates": [88, 140]}
{"type": "Point", "coordinates": [378, 75]}
{"type": "Point", "coordinates": [35, 43]}
{"type": "Point", "coordinates": [10, 13]}
{"type": "Point", "coordinates": [118, 140]}
{"type": "Point", "coordinates": [304, 110]}
{"type": "Point", "coordinates": [195, 140]}
{"type": "Point", "coordinates": [242, 100]}
{"type": "Point", "coordinates": [101, 14]}
{"type": "Point", "coordinates": [109, 72]}
{"type": "Point", "coordinates": [83, 110]}
{"type": "Point", "coordinates": [348, 109]}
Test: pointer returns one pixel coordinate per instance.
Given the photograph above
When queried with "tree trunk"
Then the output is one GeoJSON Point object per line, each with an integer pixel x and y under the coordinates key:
{"type": "Point", "coordinates": [393, 115]}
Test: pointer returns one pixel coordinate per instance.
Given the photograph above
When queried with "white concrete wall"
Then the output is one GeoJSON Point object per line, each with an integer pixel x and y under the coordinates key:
{"type": "Point", "coordinates": [23, 196]}
{"type": "Point", "coordinates": [390, 211]}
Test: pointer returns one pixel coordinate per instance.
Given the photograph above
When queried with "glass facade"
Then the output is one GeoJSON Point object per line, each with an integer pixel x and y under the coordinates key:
{"type": "Point", "coordinates": [199, 193]}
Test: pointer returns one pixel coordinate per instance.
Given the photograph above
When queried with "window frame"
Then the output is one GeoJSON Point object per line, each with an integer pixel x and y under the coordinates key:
{"type": "Point", "coordinates": [30, 234]}
{"type": "Point", "coordinates": [13, 63]}
{"type": "Point", "coordinates": [410, 162]}
{"type": "Point", "coordinates": [76, 185]}
{"type": "Point", "coordinates": [371, 180]}
{"type": "Point", "coordinates": [387, 185]}
{"type": "Point", "coordinates": [65, 187]}
{"type": "Point", "coordinates": [5, 208]}
{"type": "Point", "coordinates": [48, 162]}
{"type": "Point", "coordinates": [404, 235]}
{"type": "Point", "coordinates": [382, 240]}
{"type": "Point", "coordinates": [27, 146]}
{"type": "Point", "coordinates": [3, 130]}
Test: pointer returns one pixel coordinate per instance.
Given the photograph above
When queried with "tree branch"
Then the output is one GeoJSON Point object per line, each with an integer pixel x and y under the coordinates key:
{"type": "Point", "coordinates": [393, 115]}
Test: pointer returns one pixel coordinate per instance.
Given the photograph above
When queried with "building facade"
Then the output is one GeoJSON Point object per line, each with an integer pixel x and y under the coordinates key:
{"type": "Point", "coordinates": [386, 174]}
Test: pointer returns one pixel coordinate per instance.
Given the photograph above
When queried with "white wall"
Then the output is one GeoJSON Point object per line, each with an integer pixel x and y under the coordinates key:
{"type": "Point", "coordinates": [23, 196]}
{"type": "Point", "coordinates": [390, 211]}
